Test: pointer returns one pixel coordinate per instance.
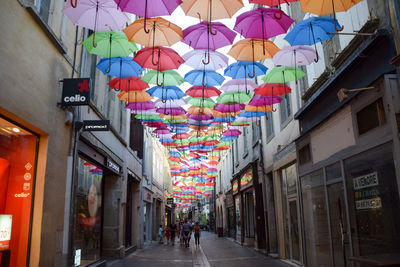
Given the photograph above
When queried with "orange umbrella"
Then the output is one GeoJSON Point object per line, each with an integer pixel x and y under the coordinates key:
{"type": "Point", "coordinates": [162, 32]}
{"type": "Point", "coordinates": [326, 7]}
{"type": "Point", "coordinates": [199, 110]}
{"type": "Point", "coordinates": [265, 108]}
{"type": "Point", "coordinates": [252, 50]}
{"type": "Point", "coordinates": [211, 9]}
{"type": "Point", "coordinates": [134, 96]}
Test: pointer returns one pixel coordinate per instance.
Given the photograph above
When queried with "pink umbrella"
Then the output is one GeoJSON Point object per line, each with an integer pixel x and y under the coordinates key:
{"type": "Point", "coordinates": [200, 117]}
{"type": "Point", "coordinates": [149, 8]}
{"type": "Point", "coordinates": [229, 108]}
{"type": "Point", "coordinates": [293, 56]}
{"type": "Point", "coordinates": [232, 133]}
{"type": "Point", "coordinates": [171, 111]}
{"type": "Point", "coordinates": [199, 37]}
{"type": "Point", "coordinates": [161, 131]}
{"type": "Point", "coordinates": [262, 23]}
{"type": "Point", "coordinates": [135, 106]}
{"type": "Point", "coordinates": [167, 58]}
{"type": "Point", "coordinates": [262, 100]}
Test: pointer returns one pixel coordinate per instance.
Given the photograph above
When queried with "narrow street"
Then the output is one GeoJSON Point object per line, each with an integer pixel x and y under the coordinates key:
{"type": "Point", "coordinates": [213, 251]}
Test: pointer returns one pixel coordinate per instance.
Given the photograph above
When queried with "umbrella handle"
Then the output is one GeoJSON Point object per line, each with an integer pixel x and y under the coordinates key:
{"type": "Point", "coordinates": [280, 14]}
{"type": "Point", "coordinates": [152, 58]}
{"type": "Point", "coordinates": [208, 59]}
{"type": "Point", "coordinates": [198, 14]}
{"type": "Point", "coordinates": [109, 68]}
{"type": "Point", "coordinates": [336, 26]}
{"type": "Point", "coordinates": [253, 75]}
{"type": "Point", "coordinates": [145, 17]}
{"type": "Point", "coordinates": [158, 83]}
{"type": "Point", "coordinates": [213, 33]}
{"type": "Point", "coordinates": [273, 109]}
{"type": "Point", "coordinates": [93, 41]}
{"type": "Point", "coordinates": [74, 3]}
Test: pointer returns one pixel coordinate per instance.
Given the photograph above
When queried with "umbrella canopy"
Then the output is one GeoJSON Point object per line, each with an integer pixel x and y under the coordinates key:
{"type": "Point", "coordinates": [128, 84]}
{"type": "Point", "coordinates": [229, 108]}
{"type": "Point", "coordinates": [292, 56]}
{"type": "Point", "coordinates": [171, 111]}
{"type": "Point", "coordinates": [232, 98]}
{"type": "Point", "coordinates": [167, 92]}
{"type": "Point", "coordinates": [99, 15]}
{"type": "Point", "coordinates": [109, 44]}
{"type": "Point", "coordinates": [198, 36]}
{"type": "Point", "coordinates": [158, 58]}
{"type": "Point", "coordinates": [245, 69]}
{"type": "Point", "coordinates": [252, 50]}
{"type": "Point", "coordinates": [238, 85]}
{"type": "Point", "coordinates": [211, 10]}
{"type": "Point", "coordinates": [170, 103]}
{"type": "Point", "coordinates": [166, 78]}
{"type": "Point", "coordinates": [283, 74]}
{"type": "Point", "coordinates": [261, 100]}
{"type": "Point", "coordinates": [204, 78]}
{"type": "Point", "coordinates": [201, 91]}
{"type": "Point", "coordinates": [193, 110]}
{"type": "Point", "coordinates": [195, 58]}
{"type": "Point", "coordinates": [201, 102]}
{"type": "Point", "coordinates": [265, 108]}
{"type": "Point", "coordinates": [270, 89]}
{"type": "Point", "coordinates": [139, 106]}
{"type": "Point", "coordinates": [120, 66]}
{"type": "Point", "coordinates": [134, 96]}
{"type": "Point", "coordinates": [161, 32]}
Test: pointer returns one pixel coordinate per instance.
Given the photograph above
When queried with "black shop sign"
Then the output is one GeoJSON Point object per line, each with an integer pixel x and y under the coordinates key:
{"type": "Point", "coordinates": [76, 92]}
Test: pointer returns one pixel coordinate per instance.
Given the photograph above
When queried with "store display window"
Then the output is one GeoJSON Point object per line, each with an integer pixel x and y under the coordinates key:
{"type": "Point", "coordinates": [18, 150]}
{"type": "Point", "coordinates": [246, 178]}
{"type": "Point", "coordinates": [88, 213]}
{"type": "Point", "coordinates": [237, 212]}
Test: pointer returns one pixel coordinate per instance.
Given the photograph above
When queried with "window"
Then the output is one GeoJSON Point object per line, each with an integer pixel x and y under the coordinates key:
{"type": "Point", "coordinates": [43, 7]}
{"type": "Point", "coordinates": [370, 117]}
{"type": "Point", "coordinates": [304, 154]}
{"type": "Point", "coordinates": [245, 148]}
{"type": "Point", "coordinates": [236, 152]}
{"type": "Point", "coordinates": [254, 131]}
{"type": "Point", "coordinates": [269, 126]}
{"type": "Point", "coordinates": [285, 108]}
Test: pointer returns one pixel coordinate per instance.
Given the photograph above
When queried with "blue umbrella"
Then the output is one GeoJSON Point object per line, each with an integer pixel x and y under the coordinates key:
{"type": "Point", "coordinates": [311, 31]}
{"type": "Point", "coordinates": [167, 140]}
{"type": "Point", "coordinates": [228, 138]}
{"type": "Point", "coordinates": [251, 114]}
{"type": "Point", "coordinates": [194, 159]}
{"type": "Point", "coordinates": [224, 119]}
{"type": "Point", "coordinates": [245, 69]}
{"type": "Point", "coordinates": [174, 154]}
{"type": "Point", "coordinates": [166, 92]}
{"type": "Point", "coordinates": [204, 78]}
{"type": "Point", "coordinates": [120, 67]}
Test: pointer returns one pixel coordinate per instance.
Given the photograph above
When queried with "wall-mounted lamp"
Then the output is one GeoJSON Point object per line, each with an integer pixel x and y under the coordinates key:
{"type": "Point", "coordinates": [342, 93]}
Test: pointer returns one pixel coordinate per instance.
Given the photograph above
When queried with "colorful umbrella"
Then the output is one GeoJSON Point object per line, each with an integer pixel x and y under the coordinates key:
{"type": "Point", "coordinates": [139, 106]}
{"type": "Point", "coordinates": [272, 3]}
{"type": "Point", "coordinates": [252, 50]}
{"type": "Point", "coordinates": [283, 74]}
{"type": "Point", "coordinates": [195, 58]}
{"type": "Point", "coordinates": [120, 66]}
{"type": "Point", "coordinates": [294, 56]}
{"type": "Point", "coordinates": [110, 44]}
{"type": "Point", "coordinates": [211, 9]}
{"type": "Point", "coordinates": [201, 102]}
{"type": "Point", "coordinates": [166, 59]}
{"type": "Point", "coordinates": [128, 84]}
{"type": "Point", "coordinates": [201, 91]}
{"type": "Point", "coordinates": [238, 85]}
{"type": "Point", "coordinates": [271, 89]}
{"type": "Point", "coordinates": [168, 78]}
{"type": "Point", "coordinates": [232, 97]}
{"type": "Point", "coordinates": [134, 96]}
{"type": "Point", "coordinates": [167, 92]}
{"type": "Point", "coordinates": [242, 69]}
{"type": "Point", "coordinates": [204, 78]}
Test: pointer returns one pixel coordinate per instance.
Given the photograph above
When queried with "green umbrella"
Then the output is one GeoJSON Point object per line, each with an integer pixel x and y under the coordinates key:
{"type": "Point", "coordinates": [233, 98]}
{"type": "Point", "coordinates": [201, 102]}
{"type": "Point", "coordinates": [173, 162]}
{"type": "Point", "coordinates": [225, 143]}
{"type": "Point", "coordinates": [283, 74]}
{"type": "Point", "coordinates": [110, 44]}
{"type": "Point", "coordinates": [147, 117]}
{"type": "Point", "coordinates": [167, 77]}
{"type": "Point", "coordinates": [172, 121]}
{"type": "Point", "coordinates": [211, 137]}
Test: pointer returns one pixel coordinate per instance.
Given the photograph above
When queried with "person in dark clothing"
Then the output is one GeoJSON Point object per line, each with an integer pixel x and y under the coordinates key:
{"type": "Point", "coordinates": [172, 229]}
{"type": "Point", "coordinates": [196, 230]}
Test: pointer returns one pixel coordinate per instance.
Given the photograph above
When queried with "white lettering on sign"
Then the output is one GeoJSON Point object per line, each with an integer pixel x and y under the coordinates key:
{"type": "Point", "coordinates": [373, 203]}
{"type": "Point", "coordinates": [75, 98]}
{"type": "Point", "coordinates": [365, 181]}
{"type": "Point", "coordinates": [5, 231]}
{"type": "Point", "coordinates": [113, 166]}
{"type": "Point", "coordinates": [96, 126]}
{"type": "Point", "coordinates": [23, 195]}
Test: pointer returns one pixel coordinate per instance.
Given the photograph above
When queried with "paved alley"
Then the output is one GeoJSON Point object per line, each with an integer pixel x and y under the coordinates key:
{"type": "Point", "coordinates": [213, 252]}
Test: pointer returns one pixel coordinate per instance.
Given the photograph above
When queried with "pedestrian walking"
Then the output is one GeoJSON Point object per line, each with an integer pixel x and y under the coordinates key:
{"type": "Point", "coordinates": [167, 234]}
{"type": "Point", "coordinates": [160, 234]}
{"type": "Point", "coordinates": [187, 232]}
{"type": "Point", "coordinates": [196, 230]}
{"type": "Point", "coordinates": [172, 230]}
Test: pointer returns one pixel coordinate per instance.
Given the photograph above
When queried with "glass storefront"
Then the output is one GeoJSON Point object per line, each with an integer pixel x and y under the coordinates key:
{"type": "Point", "coordinates": [88, 209]}
{"type": "Point", "coordinates": [373, 202]}
{"type": "Point", "coordinates": [238, 219]}
{"type": "Point", "coordinates": [18, 150]}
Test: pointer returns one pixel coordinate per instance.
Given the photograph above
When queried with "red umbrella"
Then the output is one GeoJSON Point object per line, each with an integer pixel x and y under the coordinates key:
{"type": "Point", "coordinates": [181, 136]}
{"type": "Point", "coordinates": [270, 89]}
{"type": "Point", "coordinates": [194, 155]}
{"type": "Point", "coordinates": [158, 58]}
{"type": "Point", "coordinates": [201, 91]}
{"type": "Point", "coordinates": [128, 84]}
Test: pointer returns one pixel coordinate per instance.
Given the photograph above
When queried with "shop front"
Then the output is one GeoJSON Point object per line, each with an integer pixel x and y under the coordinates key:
{"type": "Point", "coordinates": [230, 215]}
{"type": "Point", "coordinates": [18, 161]}
{"type": "Point", "coordinates": [97, 178]}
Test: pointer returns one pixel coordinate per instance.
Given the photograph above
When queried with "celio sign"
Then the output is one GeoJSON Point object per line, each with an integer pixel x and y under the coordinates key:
{"type": "Point", "coordinates": [76, 92]}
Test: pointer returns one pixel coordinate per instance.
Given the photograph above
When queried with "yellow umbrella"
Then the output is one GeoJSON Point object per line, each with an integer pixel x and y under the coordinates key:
{"type": "Point", "coordinates": [173, 117]}
{"type": "Point", "coordinates": [199, 110]}
{"type": "Point", "coordinates": [252, 50]}
{"type": "Point", "coordinates": [134, 96]}
{"type": "Point", "coordinates": [161, 32]}
{"type": "Point", "coordinates": [326, 7]}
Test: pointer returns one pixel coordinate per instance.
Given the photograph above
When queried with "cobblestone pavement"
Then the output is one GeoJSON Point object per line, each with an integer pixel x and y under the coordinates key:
{"type": "Point", "coordinates": [213, 252]}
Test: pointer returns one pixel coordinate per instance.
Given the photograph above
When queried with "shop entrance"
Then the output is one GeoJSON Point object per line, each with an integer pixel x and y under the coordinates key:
{"type": "Point", "coordinates": [18, 152]}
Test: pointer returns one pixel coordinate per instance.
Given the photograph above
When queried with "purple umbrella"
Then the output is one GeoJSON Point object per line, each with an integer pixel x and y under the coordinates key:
{"type": "Point", "coordinates": [136, 106]}
{"type": "Point", "coordinates": [238, 85]}
{"type": "Point", "coordinates": [171, 111]}
{"type": "Point", "coordinates": [229, 108]}
{"type": "Point", "coordinates": [199, 37]}
{"type": "Point", "coordinates": [262, 23]}
{"type": "Point", "coordinates": [149, 8]}
{"type": "Point", "coordinates": [262, 100]}
{"type": "Point", "coordinates": [161, 131]}
{"type": "Point", "coordinates": [200, 117]}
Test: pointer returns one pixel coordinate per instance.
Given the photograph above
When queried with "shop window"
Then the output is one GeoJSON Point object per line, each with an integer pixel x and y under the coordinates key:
{"type": "Point", "coordinates": [370, 117]}
{"type": "Point", "coordinates": [304, 154]}
{"type": "Point", "coordinates": [373, 200]}
{"type": "Point", "coordinates": [315, 219]}
{"type": "Point", "coordinates": [18, 149]}
{"type": "Point", "coordinates": [238, 219]}
{"type": "Point", "coordinates": [88, 210]}
{"type": "Point", "coordinates": [333, 171]}
{"type": "Point", "coordinates": [246, 178]}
